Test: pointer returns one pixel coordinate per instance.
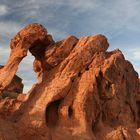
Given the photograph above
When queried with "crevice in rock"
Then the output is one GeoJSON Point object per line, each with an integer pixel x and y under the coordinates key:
{"type": "Point", "coordinates": [79, 74]}
{"type": "Point", "coordinates": [72, 80]}
{"type": "Point", "coordinates": [126, 70]}
{"type": "Point", "coordinates": [108, 85]}
{"type": "Point", "coordinates": [74, 45]}
{"type": "Point", "coordinates": [117, 117]}
{"type": "Point", "coordinates": [138, 113]}
{"type": "Point", "coordinates": [70, 111]}
{"type": "Point", "coordinates": [99, 81]}
{"type": "Point", "coordinates": [87, 68]}
{"type": "Point", "coordinates": [51, 113]}
{"type": "Point", "coordinates": [104, 87]}
{"type": "Point", "coordinates": [123, 136]}
{"type": "Point", "coordinates": [123, 78]}
{"type": "Point", "coordinates": [103, 114]}
{"type": "Point", "coordinates": [128, 87]}
{"type": "Point", "coordinates": [95, 124]}
{"type": "Point", "coordinates": [131, 108]}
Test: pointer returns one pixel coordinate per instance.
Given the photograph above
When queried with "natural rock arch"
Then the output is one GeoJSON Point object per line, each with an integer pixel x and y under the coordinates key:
{"type": "Point", "coordinates": [33, 38]}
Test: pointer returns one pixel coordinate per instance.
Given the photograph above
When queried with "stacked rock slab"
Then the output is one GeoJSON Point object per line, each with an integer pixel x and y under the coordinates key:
{"type": "Point", "coordinates": [83, 92]}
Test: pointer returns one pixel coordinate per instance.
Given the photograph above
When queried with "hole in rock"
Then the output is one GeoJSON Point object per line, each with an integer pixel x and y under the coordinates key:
{"type": "Point", "coordinates": [51, 113]}
{"type": "Point", "coordinates": [87, 68]}
{"type": "Point", "coordinates": [26, 72]}
{"type": "Point", "coordinates": [74, 45]}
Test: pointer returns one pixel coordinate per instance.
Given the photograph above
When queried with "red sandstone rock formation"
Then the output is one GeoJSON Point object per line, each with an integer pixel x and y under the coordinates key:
{"type": "Point", "coordinates": [83, 92]}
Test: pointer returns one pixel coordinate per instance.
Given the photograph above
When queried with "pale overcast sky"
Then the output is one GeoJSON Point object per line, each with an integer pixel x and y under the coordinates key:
{"type": "Point", "coordinates": [119, 20]}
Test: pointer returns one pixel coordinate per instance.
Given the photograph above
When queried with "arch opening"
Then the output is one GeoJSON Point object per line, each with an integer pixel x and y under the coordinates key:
{"type": "Point", "coordinates": [26, 73]}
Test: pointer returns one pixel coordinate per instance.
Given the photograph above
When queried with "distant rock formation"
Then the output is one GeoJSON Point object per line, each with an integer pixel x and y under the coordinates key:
{"type": "Point", "coordinates": [14, 88]}
{"type": "Point", "coordinates": [83, 92]}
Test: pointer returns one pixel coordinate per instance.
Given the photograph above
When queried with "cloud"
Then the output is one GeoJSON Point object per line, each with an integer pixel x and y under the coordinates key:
{"type": "Point", "coordinates": [9, 27]}
{"type": "Point", "coordinates": [80, 5]}
{"type": "Point", "coordinates": [135, 54]}
{"type": "Point", "coordinates": [56, 15]}
{"type": "Point", "coordinates": [3, 9]}
{"type": "Point", "coordinates": [132, 53]}
{"type": "Point", "coordinates": [4, 53]}
{"type": "Point", "coordinates": [27, 85]}
{"type": "Point", "coordinates": [7, 31]}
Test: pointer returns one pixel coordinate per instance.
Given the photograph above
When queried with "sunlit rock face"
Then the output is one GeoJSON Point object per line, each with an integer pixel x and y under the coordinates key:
{"type": "Point", "coordinates": [84, 92]}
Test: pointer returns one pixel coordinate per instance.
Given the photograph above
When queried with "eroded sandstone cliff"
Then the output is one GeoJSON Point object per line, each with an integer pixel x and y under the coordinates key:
{"type": "Point", "coordinates": [84, 92]}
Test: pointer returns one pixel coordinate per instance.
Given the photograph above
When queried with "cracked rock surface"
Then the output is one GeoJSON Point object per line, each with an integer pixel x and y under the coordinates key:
{"type": "Point", "coordinates": [84, 92]}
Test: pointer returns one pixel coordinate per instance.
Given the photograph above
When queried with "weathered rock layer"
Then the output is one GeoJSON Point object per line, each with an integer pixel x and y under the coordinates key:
{"type": "Point", "coordinates": [83, 92]}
